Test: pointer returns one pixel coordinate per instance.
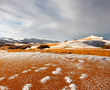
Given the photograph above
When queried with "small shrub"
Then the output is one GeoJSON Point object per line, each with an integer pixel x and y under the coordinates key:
{"type": "Point", "coordinates": [43, 46]}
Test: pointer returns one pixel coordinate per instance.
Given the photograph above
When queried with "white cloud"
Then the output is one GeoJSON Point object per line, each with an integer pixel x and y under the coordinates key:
{"type": "Point", "coordinates": [52, 25]}
{"type": "Point", "coordinates": [65, 7]}
{"type": "Point", "coordinates": [53, 19]}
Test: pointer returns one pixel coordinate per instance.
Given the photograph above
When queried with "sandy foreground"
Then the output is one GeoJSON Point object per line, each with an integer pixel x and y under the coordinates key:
{"type": "Point", "coordinates": [47, 71]}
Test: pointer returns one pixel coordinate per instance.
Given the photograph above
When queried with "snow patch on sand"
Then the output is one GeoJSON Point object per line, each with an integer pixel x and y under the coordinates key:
{"type": "Point", "coordinates": [68, 79]}
{"type": "Point", "coordinates": [70, 87]}
{"type": "Point", "coordinates": [81, 61]}
{"type": "Point", "coordinates": [65, 88]}
{"type": "Point", "coordinates": [83, 76]}
{"type": "Point", "coordinates": [13, 77]}
{"type": "Point", "coordinates": [45, 79]}
{"type": "Point", "coordinates": [57, 71]}
{"type": "Point", "coordinates": [27, 87]}
{"type": "Point", "coordinates": [3, 88]}
{"type": "Point", "coordinates": [73, 87]}
{"type": "Point", "coordinates": [79, 66]}
{"type": "Point", "coordinates": [2, 78]}
{"type": "Point", "coordinates": [48, 64]}
{"type": "Point", "coordinates": [25, 71]}
{"type": "Point", "coordinates": [41, 69]}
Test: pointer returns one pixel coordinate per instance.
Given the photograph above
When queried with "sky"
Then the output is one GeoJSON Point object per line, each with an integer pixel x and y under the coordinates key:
{"type": "Point", "coordinates": [53, 19]}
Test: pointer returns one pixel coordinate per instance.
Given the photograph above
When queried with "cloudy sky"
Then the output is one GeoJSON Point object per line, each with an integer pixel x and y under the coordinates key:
{"type": "Point", "coordinates": [53, 19]}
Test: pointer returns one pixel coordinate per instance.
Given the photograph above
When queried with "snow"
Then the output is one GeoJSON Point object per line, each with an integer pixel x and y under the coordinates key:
{"type": "Point", "coordinates": [83, 76]}
{"type": "Point", "coordinates": [57, 71]}
{"type": "Point", "coordinates": [27, 87]}
{"type": "Point", "coordinates": [19, 44]}
{"type": "Point", "coordinates": [70, 87]}
{"type": "Point", "coordinates": [13, 77]}
{"type": "Point", "coordinates": [73, 45]}
{"type": "Point", "coordinates": [73, 87]}
{"type": "Point", "coordinates": [79, 66]}
{"type": "Point", "coordinates": [25, 71]}
{"type": "Point", "coordinates": [65, 88]}
{"type": "Point", "coordinates": [48, 64]}
{"type": "Point", "coordinates": [81, 61]}
{"type": "Point", "coordinates": [92, 37]}
{"type": "Point", "coordinates": [68, 79]}
{"type": "Point", "coordinates": [32, 47]}
{"type": "Point", "coordinates": [3, 88]}
{"type": "Point", "coordinates": [25, 55]}
{"type": "Point", "coordinates": [61, 45]}
{"type": "Point", "coordinates": [2, 78]}
{"type": "Point", "coordinates": [89, 42]}
{"type": "Point", "coordinates": [41, 69]}
{"type": "Point", "coordinates": [45, 79]}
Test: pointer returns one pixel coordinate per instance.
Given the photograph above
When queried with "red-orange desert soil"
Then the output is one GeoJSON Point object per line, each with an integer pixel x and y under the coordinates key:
{"type": "Point", "coordinates": [46, 71]}
{"type": "Point", "coordinates": [83, 51]}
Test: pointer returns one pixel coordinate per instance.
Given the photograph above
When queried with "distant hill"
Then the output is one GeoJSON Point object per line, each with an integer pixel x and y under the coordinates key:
{"type": "Point", "coordinates": [33, 40]}
{"type": "Point", "coordinates": [25, 41]}
{"type": "Point", "coordinates": [106, 36]}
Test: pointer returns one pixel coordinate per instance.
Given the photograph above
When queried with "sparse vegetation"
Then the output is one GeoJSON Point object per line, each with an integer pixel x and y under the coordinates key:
{"type": "Point", "coordinates": [43, 46]}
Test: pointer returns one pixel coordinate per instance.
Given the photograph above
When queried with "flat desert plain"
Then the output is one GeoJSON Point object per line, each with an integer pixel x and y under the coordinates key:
{"type": "Point", "coordinates": [49, 71]}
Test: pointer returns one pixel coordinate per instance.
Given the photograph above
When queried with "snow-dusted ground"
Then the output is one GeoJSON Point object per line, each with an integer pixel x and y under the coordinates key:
{"type": "Point", "coordinates": [22, 71]}
{"type": "Point", "coordinates": [33, 55]}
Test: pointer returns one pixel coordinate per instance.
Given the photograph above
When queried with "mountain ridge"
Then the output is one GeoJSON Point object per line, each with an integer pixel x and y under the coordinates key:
{"type": "Point", "coordinates": [25, 41]}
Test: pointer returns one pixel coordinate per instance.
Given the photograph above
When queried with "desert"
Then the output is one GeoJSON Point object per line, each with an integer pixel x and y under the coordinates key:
{"type": "Point", "coordinates": [56, 66]}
